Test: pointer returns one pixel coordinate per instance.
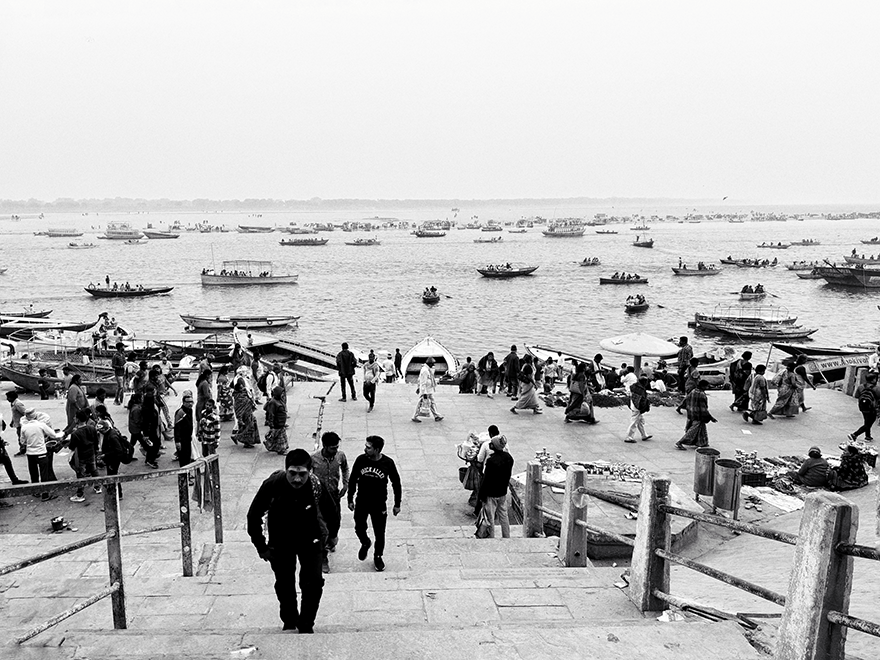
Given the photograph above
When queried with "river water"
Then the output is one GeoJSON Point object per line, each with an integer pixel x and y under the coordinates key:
{"type": "Point", "coordinates": [370, 296]}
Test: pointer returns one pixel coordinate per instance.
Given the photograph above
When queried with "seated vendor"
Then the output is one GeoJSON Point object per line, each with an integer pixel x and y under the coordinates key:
{"type": "Point", "coordinates": [814, 471]}
{"type": "Point", "coordinates": [851, 473]}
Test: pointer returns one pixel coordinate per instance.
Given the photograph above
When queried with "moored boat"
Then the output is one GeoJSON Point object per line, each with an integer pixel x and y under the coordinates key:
{"type": "Point", "coordinates": [810, 275]}
{"type": "Point", "coordinates": [301, 361]}
{"type": "Point", "coordinates": [254, 229]}
{"type": "Point", "coordinates": [414, 358]}
{"type": "Point", "coordinates": [312, 240]}
{"type": "Point", "coordinates": [696, 272]}
{"type": "Point", "coordinates": [506, 271]}
{"type": "Point", "coordinates": [774, 332]}
{"type": "Point", "coordinates": [26, 326]}
{"type": "Point", "coordinates": [201, 323]}
{"type": "Point", "coordinates": [852, 276]}
{"type": "Point", "coordinates": [28, 313]}
{"type": "Point", "coordinates": [141, 292]}
{"type": "Point", "coordinates": [244, 272]}
{"type": "Point", "coordinates": [121, 231]}
{"type": "Point", "coordinates": [30, 381]}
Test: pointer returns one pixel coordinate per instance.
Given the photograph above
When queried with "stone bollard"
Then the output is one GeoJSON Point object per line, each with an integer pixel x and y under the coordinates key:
{"type": "Point", "coordinates": [533, 520]}
{"type": "Point", "coordinates": [573, 537]}
{"type": "Point", "coordinates": [648, 571]}
{"type": "Point", "coordinates": [820, 581]}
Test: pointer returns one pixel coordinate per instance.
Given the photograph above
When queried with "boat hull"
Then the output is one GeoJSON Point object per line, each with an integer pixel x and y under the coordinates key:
{"type": "Point", "coordinates": [862, 278]}
{"type": "Point", "coordinates": [414, 358]}
{"type": "Point", "coordinates": [231, 322]}
{"type": "Point", "coordinates": [506, 274]}
{"type": "Point", "coordinates": [105, 293]}
{"type": "Point", "coordinates": [304, 241]}
{"type": "Point", "coordinates": [430, 300]}
{"type": "Point", "coordinates": [611, 280]}
{"type": "Point", "coordinates": [160, 235]}
{"type": "Point", "coordinates": [632, 309]}
{"type": "Point", "coordinates": [691, 272]}
{"type": "Point", "coordinates": [30, 382]}
{"type": "Point", "coordinates": [231, 280]}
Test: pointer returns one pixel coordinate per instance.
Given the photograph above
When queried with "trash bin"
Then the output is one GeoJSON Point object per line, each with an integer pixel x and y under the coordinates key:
{"type": "Point", "coordinates": [728, 481]}
{"type": "Point", "coordinates": [704, 470]}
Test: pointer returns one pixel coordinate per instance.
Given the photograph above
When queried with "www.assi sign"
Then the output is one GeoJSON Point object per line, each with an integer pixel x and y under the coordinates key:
{"type": "Point", "coordinates": [860, 360]}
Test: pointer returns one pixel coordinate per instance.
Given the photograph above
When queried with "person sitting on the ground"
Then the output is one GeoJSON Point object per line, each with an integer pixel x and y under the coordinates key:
{"type": "Point", "coordinates": [851, 473]}
{"type": "Point", "coordinates": [814, 471]}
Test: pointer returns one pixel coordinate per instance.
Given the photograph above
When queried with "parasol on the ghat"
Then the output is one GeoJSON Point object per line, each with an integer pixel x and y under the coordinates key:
{"type": "Point", "coordinates": [639, 345]}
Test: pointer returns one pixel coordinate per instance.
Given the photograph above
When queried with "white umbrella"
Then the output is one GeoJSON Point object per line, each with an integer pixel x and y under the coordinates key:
{"type": "Point", "coordinates": [638, 344]}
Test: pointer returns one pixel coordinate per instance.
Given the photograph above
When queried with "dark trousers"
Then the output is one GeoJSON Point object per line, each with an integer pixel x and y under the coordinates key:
{"type": "Point", "coordinates": [153, 447]}
{"type": "Point", "coordinates": [378, 515]}
{"type": "Point", "coordinates": [86, 469]}
{"type": "Point", "coordinates": [370, 393]}
{"type": "Point", "coordinates": [38, 468]}
{"type": "Point", "coordinates": [869, 417]}
{"type": "Point", "coordinates": [682, 377]}
{"type": "Point", "coordinates": [7, 463]}
{"type": "Point", "coordinates": [512, 384]}
{"type": "Point", "coordinates": [311, 584]}
{"type": "Point", "coordinates": [333, 517]}
{"type": "Point", "coordinates": [184, 452]}
{"type": "Point", "coordinates": [350, 381]}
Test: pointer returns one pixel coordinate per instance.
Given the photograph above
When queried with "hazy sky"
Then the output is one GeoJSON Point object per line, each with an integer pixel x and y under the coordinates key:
{"type": "Point", "coordinates": [758, 101]}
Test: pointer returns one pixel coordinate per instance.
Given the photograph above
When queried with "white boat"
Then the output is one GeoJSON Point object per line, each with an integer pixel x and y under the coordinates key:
{"type": "Point", "coordinates": [245, 272]}
{"type": "Point", "coordinates": [62, 233]}
{"type": "Point", "coordinates": [203, 323]}
{"type": "Point", "coordinates": [414, 358]}
{"type": "Point", "coordinates": [121, 231]}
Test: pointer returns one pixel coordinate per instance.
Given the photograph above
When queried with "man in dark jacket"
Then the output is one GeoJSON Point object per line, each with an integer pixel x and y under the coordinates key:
{"type": "Point", "coordinates": [292, 498]}
{"type": "Point", "coordinates": [84, 444]}
{"type": "Point", "coordinates": [346, 363]}
{"type": "Point", "coordinates": [511, 372]}
{"type": "Point", "coordinates": [496, 479]}
{"type": "Point", "coordinates": [369, 479]}
{"type": "Point", "coordinates": [487, 367]}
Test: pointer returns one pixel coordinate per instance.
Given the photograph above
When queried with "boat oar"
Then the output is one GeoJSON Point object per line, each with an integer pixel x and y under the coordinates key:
{"type": "Point", "coordinates": [447, 296]}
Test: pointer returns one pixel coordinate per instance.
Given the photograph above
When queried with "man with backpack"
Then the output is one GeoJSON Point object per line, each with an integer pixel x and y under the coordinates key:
{"type": "Point", "coordinates": [868, 396]}
{"type": "Point", "coordinates": [293, 498]}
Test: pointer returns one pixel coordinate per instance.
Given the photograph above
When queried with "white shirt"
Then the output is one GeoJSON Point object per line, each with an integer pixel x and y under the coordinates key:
{"type": "Point", "coordinates": [629, 380]}
{"type": "Point", "coordinates": [486, 451]}
{"type": "Point", "coordinates": [34, 434]}
{"type": "Point", "coordinates": [874, 361]}
{"type": "Point", "coordinates": [427, 382]}
{"type": "Point", "coordinates": [658, 385]}
{"type": "Point", "coordinates": [388, 366]}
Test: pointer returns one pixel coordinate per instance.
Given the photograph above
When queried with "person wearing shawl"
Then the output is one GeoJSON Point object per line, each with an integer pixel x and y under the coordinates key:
{"type": "Point", "coordinates": [758, 397]}
{"type": "Point", "coordinates": [246, 431]}
{"type": "Point", "coordinates": [697, 406]}
{"type": "Point", "coordinates": [184, 425]}
{"type": "Point", "coordinates": [276, 417]}
{"type": "Point", "coordinates": [786, 394]}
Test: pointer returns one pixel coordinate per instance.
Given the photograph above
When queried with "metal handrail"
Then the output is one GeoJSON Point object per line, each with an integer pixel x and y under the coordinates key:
{"type": "Point", "coordinates": [736, 525]}
{"type": "Point", "coordinates": [856, 550]}
{"type": "Point", "coordinates": [549, 512]}
{"type": "Point", "coordinates": [868, 627]}
{"type": "Point", "coordinates": [62, 550]}
{"type": "Point", "coordinates": [601, 532]}
{"type": "Point", "coordinates": [727, 578]}
{"type": "Point", "coordinates": [66, 614]}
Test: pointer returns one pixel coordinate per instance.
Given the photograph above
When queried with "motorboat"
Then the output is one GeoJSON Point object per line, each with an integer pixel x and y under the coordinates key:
{"type": "Point", "coordinates": [696, 272]}
{"type": "Point", "coordinates": [852, 276]}
{"type": "Point", "coordinates": [154, 234]}
{"type": "Point", "coordinates": [142, 292]}
{"type": "Point", "coordinates": [245, 272]}
{"type": "Point", "coordinates": [414, 358]}
{"type": "Point", "coordinates": [312, 240]}
{"type": "Point", "coordinates": [364, 242]}
{"type": "Point", "coordinates": [565, 229]}
{"type": "Point", "coordinates": [201, 323]}
{"type": "Point", "coordinates": [503, 272]}
{"type": "Point", "coordinates": [62, 233]}
{"type": "Point", "coordinates": [121, 231]}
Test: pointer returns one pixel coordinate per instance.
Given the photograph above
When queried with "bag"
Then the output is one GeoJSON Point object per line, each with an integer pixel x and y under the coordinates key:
{"type": "Point", "coordinates": [473, 477]}
{"type": "Point", "coordinates": [261, 382]}
{"type": "Point", "coordinates": [867, 400]}
{"type": "Point", "coordinates": [424, 407]}
{"type": "Point", "coordinates": [576, 387]}
{"type": "Point", "coordinates": [482, 524]}
{"type": "Point", "coordinates": [523, 378]}
{"type": "Point", "coordinates": [127, 450]}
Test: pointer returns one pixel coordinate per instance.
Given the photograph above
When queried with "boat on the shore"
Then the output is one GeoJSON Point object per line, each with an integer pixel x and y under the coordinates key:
{"type": "Point", "coordinates": [29, 381]}
{"type": "Point", "coordinates": [501, 272]}
{"type": "Point", "coordinates": [494, 239]}
{"type": "Point", "coordinates": [24, 327]}
{"type": "Point", "coordinates": [588, 261]}
{"type": "Point", "coordinates": [646, 243]}
{"type": "Point", "coordinates": [142, 292]}
{"type": "Point", "coordinates": [852, 276]}
{"type": "Point", "coordinates": [155, 234]}
{"type": "Point", "coordinates": [245, 272]}
{"type": "Point", "coordinates": [766, 332]}
{"type": "Point", "coordinates": [696, 272]}
{"type": "Point", "coordinates": [623, 280]}
{"type": "Point", "coordinates": [864, 261]}
{"type": "Point", "coordinates": [774, 246]}
{"type": "Point", "coordinates": [605, 231]}
{"type": "Point", "coordinates": [364, 242]}
{"type": "Point", "coordinates": [80, 246]}
{"type": "Point", "coordinates": [299, 360]}
{"type": "Point", "coordinates": [312, 240]}
{"type": "Point", "coordinates": [414, 358]}
{"type": "Point", "coordinates": [121, 231]}
{"type": "Point", "coordinates": [28, 314]}
{"type": "Point", "coordinates": [809, 275]}
{"type": "Point", "coordinates": [202, 323]}
{"type": "Point", "coordinates": [738, 315]}
{"type": "Point", "coordinates": [430, 298]}
{"type": "Point", "coordinates": [254, 229]}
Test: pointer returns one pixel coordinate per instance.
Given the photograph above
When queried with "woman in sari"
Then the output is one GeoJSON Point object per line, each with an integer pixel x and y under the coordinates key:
{"type": "Point", "coordinates": [224, 394]}
{"type": "Point", "coordinates": [759, 395]}
{"type": "Point", "coordinates": [528, 397]}
{"type": "Point", "coordinates": [697, 406]}
{"type": "Point", "coordinates": [786, 394]}
{"type": "Point", "coordinates": [802, 380]}
{"type": "Point", "coordinates": [577, 388]}
{"type": "Point", "coordinates": [740, 375]}
{"type": "Point", "coordinates": [247, 432]}
{"type": "Point", "coordinates": [469, 378]}
{"type": "Point", "coordinates": [276, 417]}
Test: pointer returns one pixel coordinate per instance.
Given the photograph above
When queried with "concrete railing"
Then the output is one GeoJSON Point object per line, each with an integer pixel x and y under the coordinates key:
{"type": "Point", "coordinates": [814, 619]}
{"type": "Point", "coordinates": [113, 532]}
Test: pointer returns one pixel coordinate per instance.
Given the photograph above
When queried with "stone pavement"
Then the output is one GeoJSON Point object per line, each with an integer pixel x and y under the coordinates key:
{"type": "Point", "coordinates": [434, 504]}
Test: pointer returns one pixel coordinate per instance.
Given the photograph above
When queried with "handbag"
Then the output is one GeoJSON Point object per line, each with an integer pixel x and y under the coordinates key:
{"type": "Point", "coordinates": [424, 407]}
{"type": "Point", "coordinates": [472, 478]}
{"type": "Point", "coordinates": [482, 524]}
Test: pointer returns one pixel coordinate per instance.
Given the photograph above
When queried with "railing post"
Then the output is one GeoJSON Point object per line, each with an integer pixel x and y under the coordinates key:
{"type": "Point", "coordinates": [648, 571]}
{"type": "Point", "coordinates": [214, 471]}
{"type": "Point", "coordinates": [185, 529]}
{"type": "Point", "coordinates": [573, 537]}
{"type": "Point", "coordinates": [820, 581]}
{"type": "Point", "coordinates": [533, 520]}
{"type": "Point", "coordinates": [112, 523]}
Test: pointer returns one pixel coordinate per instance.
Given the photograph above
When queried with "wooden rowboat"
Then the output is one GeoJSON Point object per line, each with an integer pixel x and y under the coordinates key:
{"type": "Point", "coordinates": [414, 358]}
{"type": "Point", "coordinates": [231, 322]}
{"type": "Point", "coordinates": [30, 381]}
{"type": "Point", "coordinates": [696, 272]}
{"type": "Point", "coordinates": [637, 307]}
{"type": "Point", "coordinates": [507, 272]}
{"type": "Point", "coordinates": [618, 280]}
{"type": "Point", "coordinates": [134, 293]}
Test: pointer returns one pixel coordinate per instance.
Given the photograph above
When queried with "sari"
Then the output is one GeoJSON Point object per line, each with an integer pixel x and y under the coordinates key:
{"type": "Point", "coordinates": [697, 406]}
{"type": "Point", "coordinates": [787, 396]}
{"type": "Point", "coordinates": [469, 380]}
{"type": "Point", "coordinates": [528, 397]}
{"type": "Point", "coordinates": [758, 397]}
{"type": "Point", "coordinates": [247, 432]}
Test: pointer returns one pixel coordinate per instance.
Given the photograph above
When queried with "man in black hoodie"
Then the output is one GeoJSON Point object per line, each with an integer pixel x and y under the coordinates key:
{"type": "Point", "coordinates": [369, 478]}
{"type": "Point", "coordinates": [293, 500]}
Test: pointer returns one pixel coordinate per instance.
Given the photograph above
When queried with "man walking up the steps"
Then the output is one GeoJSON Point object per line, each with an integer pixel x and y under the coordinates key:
{"type": "Point", "coordinates": [370, 475]}
{"type": "Point", "coordinates": [329, 464]}
{"type": "Point", "coordinates": [293, 499]}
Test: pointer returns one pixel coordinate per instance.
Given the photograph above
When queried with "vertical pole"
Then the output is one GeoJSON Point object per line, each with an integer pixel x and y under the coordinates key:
{"type": "Point", "coordinates": [648, 571]}
{"type": "Point", "coordinates": [185, 529]}
{"type": "Point", "coordinates": [820, 581]}
{"type": "Point", "coordinates": [214, 467]}
{"type": "Point", "coordinates": [573, 537]}
{"type": "Point", "coordinates": [113, 524]}
{"type": "Point", "coordinates": [533, 520]}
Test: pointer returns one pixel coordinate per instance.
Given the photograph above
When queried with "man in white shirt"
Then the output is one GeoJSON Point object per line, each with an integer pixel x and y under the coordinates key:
{"type": "Point", "coordinates": [427, 387]}
{"type": "Point", "coordinates": [874, 360]}
{"type": "Point", "coordinates": [388, 368]}
{"type": "Point", "coordinates": [629, 379]}
{"type": "Point", "coordinates": [34, 434]}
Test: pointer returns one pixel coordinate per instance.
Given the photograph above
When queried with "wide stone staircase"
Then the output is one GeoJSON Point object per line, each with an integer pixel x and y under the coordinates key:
{"type": "Point", "coordinates": [444, 595]}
